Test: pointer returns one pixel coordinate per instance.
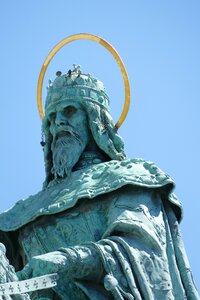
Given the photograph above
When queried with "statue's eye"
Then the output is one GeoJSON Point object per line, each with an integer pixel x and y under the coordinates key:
{"type": "Point", "coordinates": [69, 111]}
{"type": "Point", "coordinates": [52, 117]}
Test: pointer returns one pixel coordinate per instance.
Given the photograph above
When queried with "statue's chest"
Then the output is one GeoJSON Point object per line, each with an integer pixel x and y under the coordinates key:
{"type": "Point", "coordinates": [83, 223]}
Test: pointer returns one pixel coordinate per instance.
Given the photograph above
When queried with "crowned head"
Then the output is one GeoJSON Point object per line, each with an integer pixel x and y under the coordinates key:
{"type": "Point", "coordinates": [77, 120]}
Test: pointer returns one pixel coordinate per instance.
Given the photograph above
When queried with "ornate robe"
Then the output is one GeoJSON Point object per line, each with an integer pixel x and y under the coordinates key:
{"type": "Point", "coordinates": [120, 222]}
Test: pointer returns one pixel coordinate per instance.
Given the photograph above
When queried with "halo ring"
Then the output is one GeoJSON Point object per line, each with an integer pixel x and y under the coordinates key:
{"type": "Point", "coordinates": [104, 43]}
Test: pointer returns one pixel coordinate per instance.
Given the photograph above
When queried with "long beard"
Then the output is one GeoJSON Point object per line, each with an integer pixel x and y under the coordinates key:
{"type": "Point", "coordinates": [66, 153]}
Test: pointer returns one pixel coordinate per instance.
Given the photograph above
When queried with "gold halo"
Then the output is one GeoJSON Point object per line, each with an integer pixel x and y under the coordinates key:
{"type": "Point", "coordinates": [85, 36]}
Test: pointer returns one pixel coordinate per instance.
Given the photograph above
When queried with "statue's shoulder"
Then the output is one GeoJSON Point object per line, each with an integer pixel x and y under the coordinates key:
{"type": "Point", "coordinates": [85, 183]}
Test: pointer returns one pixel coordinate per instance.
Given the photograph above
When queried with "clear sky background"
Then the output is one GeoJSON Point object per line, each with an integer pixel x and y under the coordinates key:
{"type": "Point", "coordinates": [159, 42]}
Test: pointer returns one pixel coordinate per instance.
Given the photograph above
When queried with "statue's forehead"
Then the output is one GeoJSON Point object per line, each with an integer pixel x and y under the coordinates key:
{"type": "Point", "coordinates": [59, 106]}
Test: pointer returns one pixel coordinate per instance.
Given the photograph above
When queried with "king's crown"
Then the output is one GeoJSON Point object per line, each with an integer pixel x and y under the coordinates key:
{"type": "Point", "coordinates": [76, 86]}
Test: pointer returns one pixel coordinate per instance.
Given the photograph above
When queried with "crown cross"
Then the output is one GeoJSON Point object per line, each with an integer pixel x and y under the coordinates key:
{"type": "Point", "coordinates": [77, 68]}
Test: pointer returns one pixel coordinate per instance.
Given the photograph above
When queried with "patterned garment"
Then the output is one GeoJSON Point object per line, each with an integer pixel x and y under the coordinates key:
{"type": "Point", "coordinates": [118, 229]}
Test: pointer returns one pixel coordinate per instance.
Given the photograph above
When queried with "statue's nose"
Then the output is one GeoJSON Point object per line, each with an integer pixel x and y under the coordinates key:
{"type": "Point", "coordinates": [60, 119]}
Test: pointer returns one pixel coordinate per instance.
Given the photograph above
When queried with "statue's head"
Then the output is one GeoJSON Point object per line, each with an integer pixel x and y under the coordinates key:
{"type": "Point", "coordinates": [76, 119]}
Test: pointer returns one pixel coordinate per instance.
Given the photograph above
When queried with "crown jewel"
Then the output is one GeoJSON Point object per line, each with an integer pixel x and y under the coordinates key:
{"type": "Point", "coordinates": [76, 86]}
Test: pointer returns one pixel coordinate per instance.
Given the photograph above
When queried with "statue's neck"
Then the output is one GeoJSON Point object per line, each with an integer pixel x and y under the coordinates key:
{"type": "Point", "coordinates": [89, 158]}
{"type": "Point", "coordinates": [91, 155]}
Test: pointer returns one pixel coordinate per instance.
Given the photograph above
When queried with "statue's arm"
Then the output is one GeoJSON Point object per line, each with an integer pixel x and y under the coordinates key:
{"type": "Point", "coordinates": [78, 262]}
{"type": "Point", "coordinates": [81, 261]}
{"type": "Point", "coordinates": [87, 260]}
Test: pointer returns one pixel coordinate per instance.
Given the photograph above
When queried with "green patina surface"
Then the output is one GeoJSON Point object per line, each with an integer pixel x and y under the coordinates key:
{"type": "Point", "coordinates": [87, 183]}
{"type": "Point", "coordinates": [106, 224]}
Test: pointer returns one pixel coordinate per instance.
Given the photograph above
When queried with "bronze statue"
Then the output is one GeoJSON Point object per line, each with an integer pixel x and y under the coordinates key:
{"type": "Point", "coordinates": [106, 224]}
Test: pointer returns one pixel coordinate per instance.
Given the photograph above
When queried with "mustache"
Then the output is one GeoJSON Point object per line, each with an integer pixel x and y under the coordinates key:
{"type": "Point", "coordinates": [66, 131]}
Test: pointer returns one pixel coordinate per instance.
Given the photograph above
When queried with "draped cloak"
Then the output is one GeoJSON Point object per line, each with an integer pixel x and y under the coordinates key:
{"type": "Point", "coordinates": [124, 214]}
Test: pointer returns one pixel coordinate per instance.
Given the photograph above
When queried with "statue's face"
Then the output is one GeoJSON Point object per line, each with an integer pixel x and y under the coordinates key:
{"type": "Point", "coordinates": [69, 117]}
{"type": "Point", "coordinates": [70, 132]}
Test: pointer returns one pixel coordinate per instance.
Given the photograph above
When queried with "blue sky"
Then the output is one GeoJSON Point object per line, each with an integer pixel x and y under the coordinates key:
{"type": "Point", "coordinates": [159, 44]}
